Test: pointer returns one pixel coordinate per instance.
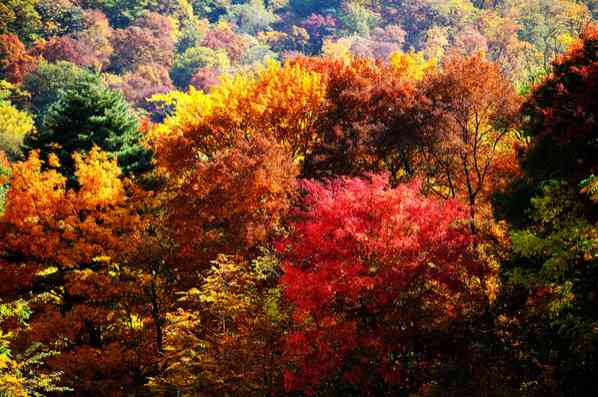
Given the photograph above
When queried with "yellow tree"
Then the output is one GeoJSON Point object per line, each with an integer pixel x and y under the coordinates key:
{"type": "Point", "coordinates": [411, 65]}
{"type": "Point", "coordinates": [281, 102]}
{"type": "Point", "coordinates": [14, 124]}
{"type": "Point", "coordinates": [231, 177]}
{"type": "Point", "coordinates": [228, 338]}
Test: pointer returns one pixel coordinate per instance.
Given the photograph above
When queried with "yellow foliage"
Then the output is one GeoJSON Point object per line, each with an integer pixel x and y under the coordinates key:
{"type": "Point", "coordinates": [411, 65]}
{"type": "Point", "coordinates": [226, 336]}
{"type": "Point", "coordinates": [282, 102]}
{"type": "Point", "coordinates": [99, 179]}
{"type": "Point", "coordinates": [14, 125]}
{"type": "Point", "coordinates": [339, 49]}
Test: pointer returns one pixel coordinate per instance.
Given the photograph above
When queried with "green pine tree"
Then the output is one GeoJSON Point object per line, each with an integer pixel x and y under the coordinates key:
{"type": "Point", "coordinates": [86, 115]}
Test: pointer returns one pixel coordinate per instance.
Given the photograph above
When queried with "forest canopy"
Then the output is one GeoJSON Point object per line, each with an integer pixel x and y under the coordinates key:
{"type": "Point", "coordinates": [298, 198]}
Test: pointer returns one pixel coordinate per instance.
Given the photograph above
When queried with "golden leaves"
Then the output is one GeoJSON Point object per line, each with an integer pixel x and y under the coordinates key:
{"type": "Point", "coordinates": [62, 226]}
{"type": "Point", "coordinates": [281, 102]}
{"type": "Point", "coordinates": [411, 66]}
{"type": "Point", "coordinates": [98, 178]}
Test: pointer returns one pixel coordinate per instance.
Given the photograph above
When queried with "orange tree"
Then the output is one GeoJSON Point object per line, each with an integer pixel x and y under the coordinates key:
{"type": "Point", "coordinates": [61, 248]}
{"type": "Point", "coordinates": [227, 158]}
{"type": "Point", "coordinates": [472, 110]}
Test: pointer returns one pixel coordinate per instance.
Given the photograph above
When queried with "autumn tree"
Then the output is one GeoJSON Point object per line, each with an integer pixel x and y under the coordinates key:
{"type": "Point", "coordinates": [15, 60]}
{"type": "Point", "coordinates": [22, 375]}
{"type": "Point", "coordinates": [229, 337]}
{"type": "Point", "coordinates": [375, 275]}
{"type": "Point", "coordinates": [222, 36]}
{"type": "Point", "coordinates": [67, 48]}
{"type": "Point", "coordinates": [14, 124]}
{"type": "Point", "coordinates": [226, 196]}
{"type": "Point", "coordinates": [281, 102]}
{"type": "Point", "coordinates": [144, 82]}
{"type": "Point", "coordinates": [206, 78]}
{"type": "Point", "coordinates": [229, 202]}
{"type": "Point", "coordinates": [473, 117]}
{"type": "Point", "coordinates": [59, 17]}
{"type": "Point", "coordinates": [194, 59]}
{"type": "Point", "coordinates": [560, 115]}
{"type": "Point", "coordinates": [148, 40]}
{"type": "Point", "coordinates": [551, 277]}
{"type": "Point", "coordinates": [20, 17]}
{"type": "Point", "coordinates": [368, 122]}
{"type": "Point", "coordinates": [318, 27]}
{"type": "Point", "coordinates": [90, 47]}
{"type": "Point", "coordinates": [550, 26]}
{"type": "Point", "coordinates": [63, 246]}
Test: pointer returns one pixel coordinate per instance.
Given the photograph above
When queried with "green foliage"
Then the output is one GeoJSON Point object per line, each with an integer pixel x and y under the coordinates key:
{"type": "Point", "coordinates": [550, 26]}
{"type": "Point", "coordinates": [307, 7]}
{"type": "Point", "coordinates": [211, 9]}
{"type": "Point", "coordinates": [358, 19]}
{"type": "Point", "coordinates": [59, 17]}
{"type": "Point", "coordinates": [121, 13]}
{"type": "Point", "coordinates": [194, 59]}
{"type": "Point", "coordinates": [90, 114]}
{"type": "Point", "coordinates": [21, 18]}
{"type": "Point", "coordinates": [251, 17]}
{"type": "Point", "coordinates": [557, 263]}
{"type": "Point", "coordinates": [258, 54]}
{"type": "Point", "coordinates": [47, 82]}
{"type": "Point", "coordinates": [190, 36]}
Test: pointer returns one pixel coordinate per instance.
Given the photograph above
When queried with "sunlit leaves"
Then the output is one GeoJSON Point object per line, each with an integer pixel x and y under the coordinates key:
{"type": "Point", "coordinates": [411, 66]}
{"type": "Point", "coordinates": [41, 218]}
{"type": "Point", "coordinates": [281, 102]}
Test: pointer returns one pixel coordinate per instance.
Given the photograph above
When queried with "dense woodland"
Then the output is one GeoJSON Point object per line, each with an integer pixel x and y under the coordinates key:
{"type": "Point", "coordinates": [298, 198]}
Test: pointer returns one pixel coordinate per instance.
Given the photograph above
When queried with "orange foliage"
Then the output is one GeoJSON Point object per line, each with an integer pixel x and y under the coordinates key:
{"type": "Point", "coordinates": [59, 226]}
{"type": "Point", "coordinates": [472, 108]}
{"type": "Point", "coordinates": [62, 245]}
{"type": "Point", "coordinates": [232, 201]}
{"type": "Point", "coordinates": [279, 102]}
{"type": "Point", "coordinates": [15, 61]}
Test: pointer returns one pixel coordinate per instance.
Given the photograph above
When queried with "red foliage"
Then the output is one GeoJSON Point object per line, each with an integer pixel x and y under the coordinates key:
{"type": "Point", "coordinates": [144, 82]}
{"type": "Point", "coordinates": [564, 106]}
{"type": "Point", "coordinates": [66, 48]}
{"type": "Point", "coordinates": [359, 133]}
{"type": "Point", "coordinates": [370, 271]}
{"type": "Point", "coordinates": [89, 48]}
{"type": "Point", "coordinates": [562, 115]}
{"type": "Point", "coordinates": [223, 36]}
{"type": "Point", "coordinates": [205, 78]}
{"type": "Point", "coordinates": [156, 23]}
{"type": "Point", "coordinates": [149, 41]}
